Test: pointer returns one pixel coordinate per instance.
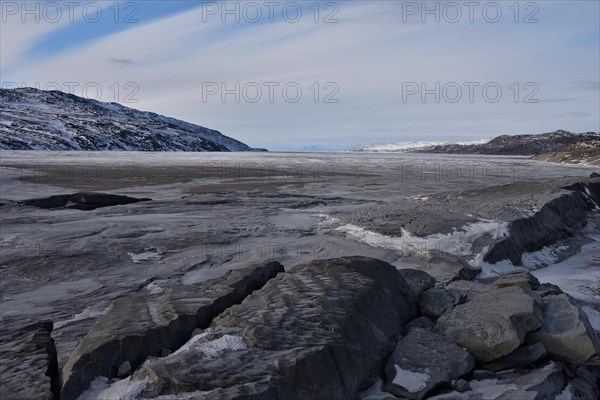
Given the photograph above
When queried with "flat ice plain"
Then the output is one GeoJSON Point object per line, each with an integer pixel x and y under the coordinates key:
{"type": "Point", "coordinates": [211, 212]}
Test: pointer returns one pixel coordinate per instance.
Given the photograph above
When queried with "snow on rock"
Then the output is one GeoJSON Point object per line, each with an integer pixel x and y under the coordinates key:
{"type": "Point", "coordinates": [126, 389]}
{"type": "Point", "coordinates": [412, 381]}
{"type": "Point", "coordinates": [212, 348]}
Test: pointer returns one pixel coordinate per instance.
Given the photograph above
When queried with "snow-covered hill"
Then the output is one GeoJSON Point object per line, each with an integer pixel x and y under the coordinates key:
{"type": "Point", "coordinates": [500, 145]}
{"type": "Point", "coordinates": [407, 147]}
{"type": "Point", "coordinates": [32, 119]}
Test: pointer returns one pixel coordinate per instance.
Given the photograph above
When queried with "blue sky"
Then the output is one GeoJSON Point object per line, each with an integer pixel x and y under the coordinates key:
{"type": "Point", "coordinates": [287, 75]}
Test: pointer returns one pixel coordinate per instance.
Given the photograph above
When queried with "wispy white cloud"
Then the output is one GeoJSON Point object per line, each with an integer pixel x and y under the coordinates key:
{"type": "Point", "coordinates": [368, 55]}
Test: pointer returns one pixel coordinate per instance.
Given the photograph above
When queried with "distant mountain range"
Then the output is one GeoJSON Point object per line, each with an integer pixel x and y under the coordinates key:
{"type": "Point", "coordinates": [32, 119]}
{"type": "Point", "coordinates": [526, 145]}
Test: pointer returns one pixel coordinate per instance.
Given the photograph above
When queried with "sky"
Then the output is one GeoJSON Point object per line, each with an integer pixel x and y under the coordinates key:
{"type": "Point", "coordinates": [298, 75]}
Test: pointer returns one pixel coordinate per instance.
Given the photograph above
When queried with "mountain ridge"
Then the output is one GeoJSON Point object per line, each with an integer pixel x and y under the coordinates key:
{"type": "Point", "coordinates": [525, 145]}
{"type": "Point", "coordinates": [32, 119]}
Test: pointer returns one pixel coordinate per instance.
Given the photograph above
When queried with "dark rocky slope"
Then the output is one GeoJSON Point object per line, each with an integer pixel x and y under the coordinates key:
{"type": "Point", "coordinates": [558, 219]}
{"type": "Point", "coordinates": [32, 119]}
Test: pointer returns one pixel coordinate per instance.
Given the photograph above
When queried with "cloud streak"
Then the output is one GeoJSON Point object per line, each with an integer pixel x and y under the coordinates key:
{"type": "Point", "coordinates": [364, 61]}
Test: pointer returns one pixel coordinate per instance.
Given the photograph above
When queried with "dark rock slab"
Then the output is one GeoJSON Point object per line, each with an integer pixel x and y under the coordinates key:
{"type": "Point", "coordinates": [91, 201]}
{"type": "Point", "coordinates": [320, 331]}
{"type": "Point", "coordinates": [28, 366]}
{"type": "Point", "coordinates": [136, 327]}
{"type": "Point", "coordinates": [522, 356]}
{"type": "Point", "coordinates": [493, 324]}
{"type": "Point", "coordinates": [56, 201]}
{"type": "Point", "coordinates": [566, 332]}
{"type": "Point", "coordinates": [82, 201]}
{"type": "Point", "coordinates": [435, 301]}
{"type": "Point", "coordinates": [422, 361]}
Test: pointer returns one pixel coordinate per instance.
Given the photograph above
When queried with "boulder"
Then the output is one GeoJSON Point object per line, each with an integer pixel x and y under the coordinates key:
{"type": "Point", "coordinates": [124, 370]}
{"type": "Point", "coordinates": [548, 289]}
{"type": "Point", "coordinates": [422, 361]}
{"type": "Point", "coordinates": [435, 301]}
{"type": "Point", "coordinates": [136, 327]}
{"type": "Point", "coordinates": [28, 366]}
{"type": "Point", "coordinates": [319, 331]}
{"type": "Point", "coordinates": [519, 277]}
{"type": "Point", "coordinates": [460, 385]}
{"type": "Point", "coordinates": [420, 322]}
{"type": "Point", "coordinates": [521, 357]}
{"type": "Point", "coordinates": [445, 268]}
{"type": "Point", "coordinates": [417, 280]}
{"type": "Point", "coordinates": [468, 289]}
{"type": "Point", "coordinates": [493, 324]}
{"type": "Point", "coordinates": [566, 332]}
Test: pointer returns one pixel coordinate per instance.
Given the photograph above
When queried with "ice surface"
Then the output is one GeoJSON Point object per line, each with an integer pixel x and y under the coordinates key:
{"type": "Point", "coordinates": [145, 256]}
{"type": "Point", "coordinates": [578, 275]}
{"type": "Point", "coordinates": [56, 263]}
{"type": "Point", "coordinates": [460, 241]}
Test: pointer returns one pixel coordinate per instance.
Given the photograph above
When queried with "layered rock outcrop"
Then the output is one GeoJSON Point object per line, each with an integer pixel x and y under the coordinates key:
{"type": "Point", "coordinates": [136, 327]}
{"type": "Point", "coordinates": [28, 366]}
{"type": "Point", "coordinates": [556, 220]}
{"type": "Point", "coordinates": [320, 331]}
